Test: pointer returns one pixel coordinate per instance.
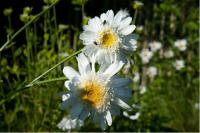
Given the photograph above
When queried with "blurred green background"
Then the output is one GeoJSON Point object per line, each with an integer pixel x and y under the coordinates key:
{"type": "Point", "coordinates": [171, 100]}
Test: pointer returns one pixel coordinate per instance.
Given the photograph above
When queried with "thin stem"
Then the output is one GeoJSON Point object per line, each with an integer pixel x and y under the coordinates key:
{"type": "Point", "coordinates": [9, 23]}
{"type": "Point", "coordinates": [83, 10]}
{"type": "Point", "coordinates": [135, 16]}
{"type": "Point", "coordinates": [55, 24]}
{"type": "Point", "coordinates": [47, 81]}
{"type": "Point", "coordinates": [67, 58]}
{"type": "Point", "coordinates": [35, 41]}
{"type": "Point", "coordinates": [16, 92]}
{"type": "Point", "coordinates": [28, 51]}
{"type": "Point", "coordinates": [27, 24]}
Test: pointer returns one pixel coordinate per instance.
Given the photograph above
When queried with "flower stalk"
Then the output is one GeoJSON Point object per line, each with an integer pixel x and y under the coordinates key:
{"type": "Point", "coordinates": [26, 25]}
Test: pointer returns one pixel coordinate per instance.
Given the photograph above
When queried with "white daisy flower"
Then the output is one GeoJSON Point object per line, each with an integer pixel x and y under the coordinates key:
{"type": "Point", "coordinates": [109, 36]}
{"type": "Point", "coordinates": [169, 54]}
{"type": "Point", "coordinates": [146, 55]}
{"type": "Point", "coordinates": [181, 44]}
{"type": "Point", "coordinates": [155, 46]}
{"type": "Point", "coordinates": [196, 105]}
{"type": "Point", "coordinates": [142, 89]}
{"type": "Point", "coordinates": [67, 123]}
{"type": "Point", "coordinates": [140, 28]}
{"type": "Point", "coordinates": [179, 64]}
{"type": "Point", "coordinates": [136, 77]}
{"type": "Point", "coordinates": [96, 94]}
{"type": "Point", "coordinates": [151, 71]}
{"type": "Point", "coordinates": [127, 67]}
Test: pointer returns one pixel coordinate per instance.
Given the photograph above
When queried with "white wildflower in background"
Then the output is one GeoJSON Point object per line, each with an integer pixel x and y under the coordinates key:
{"type": "Point", "coordinates": [127, 67]}
{"type": "Point", "coordinates": [146, 55]}
{"type": "Point", "coordinates": [151, 71]}
{"type": "Point", "coordinates": [67, 123]}
{"type": "Point", "coordinates": [140, 28]}
{"type": "Point", "coordinates": [168, 53]}
{"type": "Point", "coordinates": [142, 89]}
{"type": "Point", "coordinates": [197, 106]}
{"type": "Point", "coordinates": [181, 44]}
{"type": "Point", "coordinates": [136, 77]}
{"type": "Point", "coordinates": [179, 64]}
{"type": "Point", "coordinates": [155, 46]}
{"type": "Point", "coordinates": [109, 36]}
{"type": "Point", "coordinates": [96, 94]}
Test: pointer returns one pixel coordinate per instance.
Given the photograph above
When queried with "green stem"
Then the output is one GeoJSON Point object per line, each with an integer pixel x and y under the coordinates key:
{"type": "Point", "coordinates": [9, 23]}
{"type": "Point", "coordinates": [55, 23]}
{"type": "Point", "coordinates": [35, 43]}
{"type": "Point", "coordinates": [27, 24]}
{"type": "Point", "coordinates": [67, 58]}
{"type": "Point", "coordinates": [83, 10]}
{"type": "Point", "coordinates": [28, 51]}
{"type": "Point", "coordinates": [47, 81]}
{"type": "Point", "coordinates": [16, 92]}
{"type": "Point", "coordinates": [135, 16]}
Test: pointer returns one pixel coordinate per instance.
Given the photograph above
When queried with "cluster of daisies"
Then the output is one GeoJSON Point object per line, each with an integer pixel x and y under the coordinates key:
{"type": "Point", "coordinates": [146, 55]}
{"type": "Point", "coordinates": [95, 90]}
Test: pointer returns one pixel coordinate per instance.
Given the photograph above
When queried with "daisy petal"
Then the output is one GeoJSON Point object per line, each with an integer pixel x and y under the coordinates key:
{"type": "Point", "coordinates": [108, 118]}
{"type": "Point", "coordinates": [67, 84]}
{"type": "Point", "coordinates": [70, 73]}
{"type": "Point", "coordinates": [119, 16]}
{"type": "Point", "coordinates": [65, 97]}
{"type": "Point", "coordinates": [110, 16]}
{"type": "Point", "coordinates": [124, 23]}
{"type": "Point", "coordinates": [88, 36]}
{"type": "Point", "coordinates": [84, 114]}
{"type": "Point", "coordinates": [76, 110]}
{"type": "Point", "coordinates": [102, 123]}
{"type": "Point", "coordinates": [128, 30]}
{"type": "Point", "coordinates": [123, 92]}
{"type": "Point", "coordinates": [122, 104]}
{"type": "Point", "coordinates": [113, 69]}
{"type": "Point", "coordinates": [66, 103]}
{"type": "Point", "coordinates": [115, 110]}
{"type": "Point", "coordinates": [103, 17]}
{"type": "Point", "coordinates": [120, 82]}
{"type": "Point", "coordinates": [83, 64]}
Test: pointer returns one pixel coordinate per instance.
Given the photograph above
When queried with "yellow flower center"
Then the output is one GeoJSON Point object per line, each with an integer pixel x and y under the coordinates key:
{"type": "Point", "coordinates": [93, 93]}
{"type": "Point", "coordinates": [108, 39]}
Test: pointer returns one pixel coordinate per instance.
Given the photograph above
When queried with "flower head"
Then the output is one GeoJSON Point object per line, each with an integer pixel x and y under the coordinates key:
{"type": "Point", "coordinates": [168, 54]}
{"type": "Point", "coordinates": [181, 44]}
{"type": "Point", "coordinates": [155, 46]}
{"type": "Point", "coordinates": [136, 77]}
{"type": "Point", "coordinates": [96, 94]}
{"type": "Point", "coordinates": [179, 64]}
{"type": "Point", "coordinates": [146, 55]}
{"type": "Point", "coordinates": [151, 72]}
{"type": "Point", "coordinates": [109, 36]}
{"type": "Point", "coordinates": [142, 89]}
